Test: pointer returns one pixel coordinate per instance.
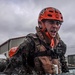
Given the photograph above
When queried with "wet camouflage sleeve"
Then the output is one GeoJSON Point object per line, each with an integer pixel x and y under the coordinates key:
{"type": "Point", "coordinates": [25, 47]}
{"type": "Point", "coordinates": [17, 63]}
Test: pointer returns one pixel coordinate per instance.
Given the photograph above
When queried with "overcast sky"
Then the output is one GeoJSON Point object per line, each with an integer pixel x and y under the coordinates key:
{"type": "Point", "coordinates": [19, 17]}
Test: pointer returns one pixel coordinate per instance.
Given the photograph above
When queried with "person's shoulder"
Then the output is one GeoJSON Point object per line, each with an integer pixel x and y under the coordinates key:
{"type": "Point", "coordinates": [34, 38]}
{"type": "Point", "coordinates": [32, 35]}
{"type": "Point", "coordinates": [62, 43]}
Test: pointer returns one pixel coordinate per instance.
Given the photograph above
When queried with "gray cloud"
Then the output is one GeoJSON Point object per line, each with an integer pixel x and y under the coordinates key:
{"type": "Point", "coordinates": [19, 17]}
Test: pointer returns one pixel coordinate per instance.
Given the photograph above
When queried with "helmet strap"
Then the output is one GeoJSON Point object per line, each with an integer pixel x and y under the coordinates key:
{"type": "Point", "coordinates": [42, 26]}
{"type": "Point", "coordinates": [52, 44]}
{"type": "Point", "coordinates": [44, 30]}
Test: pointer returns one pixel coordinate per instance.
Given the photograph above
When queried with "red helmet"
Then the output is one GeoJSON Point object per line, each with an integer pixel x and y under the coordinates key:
{"type": "Point", "coordinates": [50, 13]}
{"type": "Point", "coordinates": [12, 51]}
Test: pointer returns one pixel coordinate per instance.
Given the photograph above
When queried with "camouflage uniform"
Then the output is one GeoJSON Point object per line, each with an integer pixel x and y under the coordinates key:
{"type": "Point", "coordinates": [35, 54]}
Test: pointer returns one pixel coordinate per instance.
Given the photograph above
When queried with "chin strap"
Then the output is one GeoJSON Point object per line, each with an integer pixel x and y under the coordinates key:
{"type": "Point", "coordinates": [51, 39]}
{"type": "Point", "coordinates": [52, 43]}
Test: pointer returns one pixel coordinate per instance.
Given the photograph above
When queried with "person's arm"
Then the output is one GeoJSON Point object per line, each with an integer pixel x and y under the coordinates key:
{"type": "Point", "coordinates": [20, 55]}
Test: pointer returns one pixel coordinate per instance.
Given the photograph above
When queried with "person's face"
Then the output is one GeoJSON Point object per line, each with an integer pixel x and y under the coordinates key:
{"type": "Point", "coordinates": [52, 27]}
